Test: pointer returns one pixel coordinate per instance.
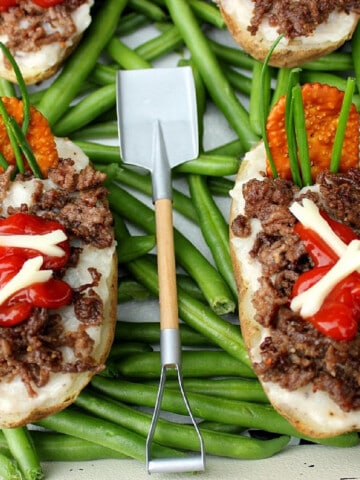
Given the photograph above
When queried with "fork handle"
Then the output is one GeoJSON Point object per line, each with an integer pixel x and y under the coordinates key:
{"type": "Point", "coordinates": [169, 317]}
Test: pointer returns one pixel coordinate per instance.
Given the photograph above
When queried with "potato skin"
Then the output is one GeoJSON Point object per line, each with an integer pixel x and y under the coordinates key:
{"type": "Point", "coordinates": [313, 414]}
{"type": "Point", "coordinates": [63, 388]}
{"type": "Point", "coordinates": [292, 55]}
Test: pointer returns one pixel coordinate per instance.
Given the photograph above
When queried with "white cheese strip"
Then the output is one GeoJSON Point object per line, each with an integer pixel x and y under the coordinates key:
{"type": "Point", "coordinates": [29, 274]}
{"type": "Point", "coordinates": [308, 214]}
{"type": "Point", "coordinates": [45, 244]}
{"type": "Point", "coordinates": [309, 302]}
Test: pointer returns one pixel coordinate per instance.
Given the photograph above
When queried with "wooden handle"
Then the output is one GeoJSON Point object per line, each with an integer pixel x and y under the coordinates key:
{"type": "Point", "coordinates": [169, 317]}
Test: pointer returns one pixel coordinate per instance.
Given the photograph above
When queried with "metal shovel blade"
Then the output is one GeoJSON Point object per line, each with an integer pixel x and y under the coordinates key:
{"type": "Point", "coordinates": [158, 130]}
{"type": "Point", "coordinates": [157, 95]}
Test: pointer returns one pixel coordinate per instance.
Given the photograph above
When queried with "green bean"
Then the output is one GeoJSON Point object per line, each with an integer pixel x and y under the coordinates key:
{"type": "Point", "coordinates": [130, 23]}
{"type": "Point", "coordinates": [259, 96]}
{"type": "Point", "coordinates": [126, 57]}
{"type": "Point", "coordinates": [189, 286]}
{"type": "Point", "coordinates": [8, 469]}
{"type": "Point", "coordinates": [86, 110]}
{"type": "Point", "coordinates": [323, 77]}
{"type": "Point", "coordinates": [129, 289]}
{"type": "Point", "coordinates": [246, 414]}
{"type": "Point", "coordinates": [123, 349]}
{"type": "Point", "coordinates": [232, 56]}
{"type": "Point", "coordinates": [216, 82]}
{"type": "Point", "coordinates": [214, 228]}
{"type": "Point", "coordinates": [237, 80]}
{"type": "Point", "coordinates": [206, 164]}
{"type": "Point", "coordinates": [142, 183]}
{"type": "Point", "coordinates": [79, 65]}
{"type": "Point", "coordinates": [23, 450]}
{"type": "Point", "coordinates": [180, 435]}
{"type": "Point", "coordinates": [335, 61]}
{"type": "Point", "coordinates": [220, 427]}
{"type": "Point", "coordinates": [208, 12]}
{"type": "Point", "coordinates": [105, 433]}
{"type": "Point", "coordinates": [103, 74]}
{"type": "Point", "coordinates": [147, 8]}
{"type": "Point", "coordinates": [232, 148]}
{"type": "Point", "coordinates": [57, 447]}
{"type": "Point", "coordinates": [95, 131]}
{"type": "Point", "coordinates": [168, 41]}
{"type": "Point", "coordinates": [215, 290]}
{"type": "Point", "coordinates": [220, 186]}
{"type": "Point", "coordinates": [194, 363]}
{"type": "Point", "coordinates": [341, 126]}
{"type": "Point", "coordinates": [355, 52]}
{"type": "Point", "coordinates": [149, 332]}
{"type": "Point", "coordinates": [134, 247]}
{"type": "Point", "coordinates": [197, 315]}
{"type": "Point", "coordinates": [98, 152]}
{"type": "Point", "coordinates": [232, 388]}
{"type": "Point", "coordinates": [210, 165]}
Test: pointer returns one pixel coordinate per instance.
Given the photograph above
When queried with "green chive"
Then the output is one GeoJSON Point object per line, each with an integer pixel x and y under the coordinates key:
{"type": "Point", "coordinates": [14, 144]}
{"type": "Point", "coordinates": [293, 79]}
{"type": "Point", "coordinates": [263, 107]}
{"type": "Point", "coordinates": [341, 127]}
{"type": "Point", "coordinates": [22, 87]}
{"type": "Point", "coordinates": [25, 147]}
{"type": "Point", "coordinates": [301, 134]}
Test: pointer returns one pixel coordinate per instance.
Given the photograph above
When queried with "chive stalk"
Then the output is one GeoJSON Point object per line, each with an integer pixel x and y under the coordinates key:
{"type": "Point", "coordinates": [341, 127]}
{"type": "Point", "coordinates": [301, 135]}
{"type": "Point", "coordinates": [290, 130]}
{"type": "Point", "coordinates": [263, 108]}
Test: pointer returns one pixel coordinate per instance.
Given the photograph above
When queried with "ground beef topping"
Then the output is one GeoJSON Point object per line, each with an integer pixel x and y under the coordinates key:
{"type": "Point", "coordinates": [33, 349]}
{"type": "Point", "coordinates": [295, 19]}
{"type": "Point", "coordinates": [29, 27]}
{"type": "Point", "coordinates": [294, 353]}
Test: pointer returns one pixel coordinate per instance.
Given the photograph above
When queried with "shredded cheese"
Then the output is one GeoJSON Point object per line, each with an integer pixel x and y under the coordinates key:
{"type": "Point", "coordinates": [29, 274]}
{"type": "Point", "coordinates": [45, 244]}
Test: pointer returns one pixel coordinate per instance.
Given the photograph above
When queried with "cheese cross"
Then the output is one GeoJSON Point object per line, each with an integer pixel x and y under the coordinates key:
{"type": "Point", "coordinates": [29, 274]}
{"type": "Point", "coordinates": [309, 302]}
{"type": "Point", "coordinates": [308, 214]}
{"type": "Point", "coordinates": [45, 244]}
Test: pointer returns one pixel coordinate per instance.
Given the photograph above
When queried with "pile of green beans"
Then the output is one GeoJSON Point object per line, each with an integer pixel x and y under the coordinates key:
{"type": "Point", "coordinates": [224, 393]}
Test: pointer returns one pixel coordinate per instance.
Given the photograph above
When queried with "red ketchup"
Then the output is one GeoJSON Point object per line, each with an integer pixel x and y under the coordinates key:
{"type": "Point", "coordinates": [6, 4]}
{"type": "Point", "coordinates": [54, 293]}
{"type": "Point", "coordinates": [339, 314]}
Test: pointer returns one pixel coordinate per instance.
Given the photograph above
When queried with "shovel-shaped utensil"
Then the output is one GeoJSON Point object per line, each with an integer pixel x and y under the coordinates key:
{"type": "Point", "coordinates": [158, 130]}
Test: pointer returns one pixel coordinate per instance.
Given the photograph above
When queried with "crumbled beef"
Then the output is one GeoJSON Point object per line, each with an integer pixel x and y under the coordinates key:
{"type": "Point", "coordinates": [295, 19]}
{"type": "Point", "coordinates": [42, 26]}
{"type": "Point", "coordinates": [79, 202]}
{"type": "Point", "coordinates": [241, 226]}
{"type": "Point", "coordinates": [341, 195]}
{"type": "Point", "coordinates": [33, 349]}
{"type": "Point", "coordinates": [295, 353]}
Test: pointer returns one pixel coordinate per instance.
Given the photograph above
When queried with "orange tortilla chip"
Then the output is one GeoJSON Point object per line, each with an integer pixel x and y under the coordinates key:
{"type": "Point", "coordinates": [39, 136]}
{"type": "Point", "coordinates": [322, 106]}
